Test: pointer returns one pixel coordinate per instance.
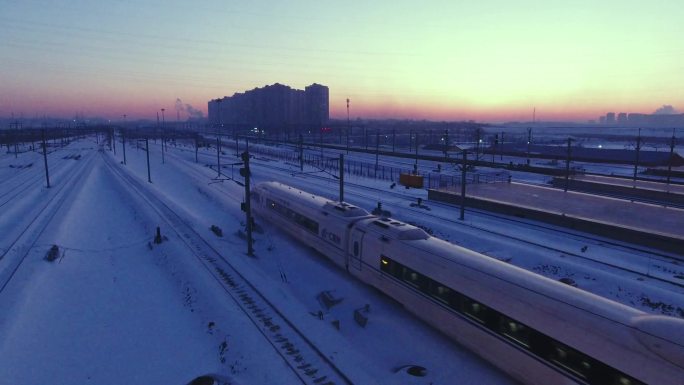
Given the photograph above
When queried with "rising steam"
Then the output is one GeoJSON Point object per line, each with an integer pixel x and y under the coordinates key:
{"type": "Point", "coordinates": [666, 109]}
{"type": "Point", "coordinates": [193, 113]}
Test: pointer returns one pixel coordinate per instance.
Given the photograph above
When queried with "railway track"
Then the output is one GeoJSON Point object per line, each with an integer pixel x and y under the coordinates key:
{"type": "Point", "coordinates": [27, 178]}
{"type": "Point", "coordinates": [581, 238]}
{"type": "Point", "coordinates": [15, 253]}
{"type": "Point", "coordinates": [652, 264]}
{"type": "Point", "coordinates": [301, 354]}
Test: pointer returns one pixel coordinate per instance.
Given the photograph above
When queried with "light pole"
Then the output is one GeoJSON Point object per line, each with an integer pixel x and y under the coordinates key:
{"type": "Point", "coordinates": [567, 166]}
{"type": "Point", "coordinates": [218, 140]}
{"type": "Point", "coordinates": [463, 184]}
{"type": "Point", "coordinates": [529, 142]}
{"type": "Point", "coordinates": [123, 138]}
{"type": "Point", "coordinates": [669, 160]}
{"type": "Point", "coordinates": [636, 161]}
{"type": "Point", "coordinates": [147, 152]}
{"type": "Point", "coordinates": [348, 125]}
{"type": "Point", "coordinates": [162, 134]}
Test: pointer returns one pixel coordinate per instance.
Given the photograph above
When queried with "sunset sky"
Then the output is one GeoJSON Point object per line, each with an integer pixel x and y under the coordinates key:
{"type": "Point", "coordinates": [442, 60]}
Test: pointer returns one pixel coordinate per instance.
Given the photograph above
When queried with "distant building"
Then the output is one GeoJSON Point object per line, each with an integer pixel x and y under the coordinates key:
{"type": "Point", "coordinates": [622, 118]}
{"type": "Point", "coordinates": [602, 120]}
{"type": "Point", "coordinates": [275, 106]}
{"type": "Point", "coordinates": [655, 120]}
{"type": "Point", "coordinates": [637, 119]}
{"type": "Point", "coordinates": [610, 118]}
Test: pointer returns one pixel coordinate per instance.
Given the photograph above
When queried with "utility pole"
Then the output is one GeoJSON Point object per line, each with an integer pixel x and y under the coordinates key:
{"type": "Point", "coordinates": [155, 131]}
{"type": "Point", "coordinates": [377, 151]}
{"type": "Point", "coordinates": [237, 142]}
{"type": "Point", "coordinates": [567, 166]}
{"type": "Point", "coordinates": [410, 141]}
{"type": "Point", "coordinates": [415, 165]}
{"type": "Point", "coordinates": [446, 144]}
{"type": "Point", "coordinates": [394, 138]}
{"type": "Point", "coordinates": [348, 133]}
{"type": "Point", "coordinates": [114, 139]}
{"type": "Point", "coordinates": [301, 153]}
{"type": "Point", "coordinates": [529, 141]}
{"type": "Point", "coordinates": [348, 125]}
{"type": "Point", "coordinates": [248, 206]}
{"type": "Point", "coordinates": [636, 161]}
{"type": "Point", "coordinates": [502, 146]}
{"type": "Point", "coordinates": [47, 174]}
{"type": "Point", "coordinates": [669, 161]}
{"type": "Point", "coordinates": [147, 151]}
{"type": "Point", "coordinates": [320, 136]}
{"type": "Point", "coordinates": [463, 183]}
{"type": "Point", "coordinates": [341, 177]}
{"type": "Point", "coordinates": [196, 146]}
{"type": "Point", "coordinates": [123, 139]}
{"type": "Point", "coordinates": [163, 135]}
{"type": "Point", "coordinates": [218, 155]}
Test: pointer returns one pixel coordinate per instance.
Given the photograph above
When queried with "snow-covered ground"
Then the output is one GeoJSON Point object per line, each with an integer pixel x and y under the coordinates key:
{"type": "Point", "coordinates": [116, 308]}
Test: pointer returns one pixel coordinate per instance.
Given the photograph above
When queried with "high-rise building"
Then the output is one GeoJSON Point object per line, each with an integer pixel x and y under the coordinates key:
{"type": "Point", "coordinates": [622, 118]}
{"type": "Point", "coordinates": [276, 106]}
{"type": "Point", "coordinates": [610, 118]}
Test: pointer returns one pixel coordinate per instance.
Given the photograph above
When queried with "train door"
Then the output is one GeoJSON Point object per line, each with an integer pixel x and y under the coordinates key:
{"type": "Point", "coordinates": [356, 249]}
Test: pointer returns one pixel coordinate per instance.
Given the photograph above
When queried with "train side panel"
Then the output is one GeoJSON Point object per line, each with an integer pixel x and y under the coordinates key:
{"type": "Point", "coordinates": [608, 341]}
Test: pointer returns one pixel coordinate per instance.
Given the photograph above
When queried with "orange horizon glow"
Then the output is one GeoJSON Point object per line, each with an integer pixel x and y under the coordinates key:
{"type": "Point", "coordinates": [489, 61]}
{"type": "Point", "coordinates": [67, 107]}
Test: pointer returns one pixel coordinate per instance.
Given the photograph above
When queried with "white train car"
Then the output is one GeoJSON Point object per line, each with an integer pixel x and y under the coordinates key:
{"type": "Point", "coordinates": [318, 222]}
{"type": "Point", "coordinates": [536, 329]}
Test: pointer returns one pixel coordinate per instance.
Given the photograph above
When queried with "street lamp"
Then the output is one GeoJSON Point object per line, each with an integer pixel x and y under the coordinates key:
{"type": "Point", "coordinates": [123, 139]}
{"type": "Point", "coordinates": [162, 135]}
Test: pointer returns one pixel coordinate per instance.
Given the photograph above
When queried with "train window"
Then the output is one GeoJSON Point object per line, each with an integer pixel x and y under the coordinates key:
{"type": "Point", "coordinates": [441, 292]}
{"type": "Point", "coordinates": [475, 309]}
{"type": "Point", "coordinates": [294, 216]}
{"type": "Point", "coordinates": [412, 277]}
{"type": "Point", "coordinates": [572, 360]}
{"type": "Point", "coordinates": [575, 362]}
{"type": "Point", "coordinates": [514, 330]}
{"type": "Point", "coordinates": [622, 379]}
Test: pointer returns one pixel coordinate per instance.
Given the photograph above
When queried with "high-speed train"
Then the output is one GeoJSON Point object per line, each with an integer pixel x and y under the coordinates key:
{"type": "Point", "coordinates": [537, 330]}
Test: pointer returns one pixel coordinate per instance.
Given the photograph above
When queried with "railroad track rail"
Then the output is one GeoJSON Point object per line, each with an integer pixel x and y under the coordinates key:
{"type": "Point", "coordinates": [15, 253]}
{"type": "Point", "coordinates": [28, 178]}
{"type": "Point", "coordinates": [301, 354]}
{"type": "Point", "coordinates": [649, 258]}
{"type": "Point", "coordinates": [666, 262]}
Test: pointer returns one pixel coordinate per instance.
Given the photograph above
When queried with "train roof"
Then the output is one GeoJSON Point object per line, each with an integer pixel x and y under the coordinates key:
{"type": "Point", "coordinates": [394, 229]}
{"type": "Point", "coordinates": [343, 209]}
